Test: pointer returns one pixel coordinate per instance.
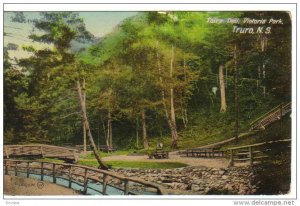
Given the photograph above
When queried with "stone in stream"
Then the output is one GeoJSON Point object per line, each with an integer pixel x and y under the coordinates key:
{"type": "Point", "coordinates": [243, 190]}
{"type": "Point", "coordinates": [221, 172]}
{"type": "Point", "coordinates": [199, 180]}
{"type": "Point", "coordinates": [195, 187]}
{"type": "Point", "coordinates": [228, 187]}
{"type": "Point", "coordinates": [167, 181]}
{"type": "Point", "coordinates": [225, 177]}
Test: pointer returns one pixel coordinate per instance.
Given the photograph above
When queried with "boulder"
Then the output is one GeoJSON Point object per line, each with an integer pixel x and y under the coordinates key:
{"type": "Point", "coordinates": [167, 181]}
{"type": "Point", "coordinates": [221, 172]}
{"type": "Point", "coordinates": [195, 187]}
{"type": "Point", "coordinates": [225, 177]}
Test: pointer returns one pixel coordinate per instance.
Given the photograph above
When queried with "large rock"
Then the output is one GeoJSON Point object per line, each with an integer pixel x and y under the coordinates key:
{"type": "Point", "coordinates": [225, 177]}
{"type": "Point", "coordinates": [221, 172]}
{"type": "Point", "coordinates": [195, 187]}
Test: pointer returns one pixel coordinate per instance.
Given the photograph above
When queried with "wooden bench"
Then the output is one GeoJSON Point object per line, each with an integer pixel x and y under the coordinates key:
{"type": "Point", "coordinates": [81, 147]}
{"type": "Point", "coordinates": [105, 148]}
{"type": "Point", "coordinates": [159, 154]}
{"type": "Point", "coordinates": [203, 152]}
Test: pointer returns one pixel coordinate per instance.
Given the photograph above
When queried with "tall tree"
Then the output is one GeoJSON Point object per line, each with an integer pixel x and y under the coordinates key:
{"type": "Point", "coordinates": [59, 29]}
{"type": "Point", "coordinates": [222, 89]}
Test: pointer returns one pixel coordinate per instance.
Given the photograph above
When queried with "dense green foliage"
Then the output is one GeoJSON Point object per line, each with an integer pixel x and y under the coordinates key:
{"type": "Point", "coordinates": [137, 69]}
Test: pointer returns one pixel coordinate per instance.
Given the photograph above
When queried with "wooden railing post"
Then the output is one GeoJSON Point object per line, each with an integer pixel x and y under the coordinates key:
{"type": "Point", "coordinates": [104, 184]}
{"type": "Point", "coordinates": [281, 110]}
{"type": "Point", "coordinates": [231, 161]}
{"type": "Point", "coordinates": [53, 173]}
{"type": "Point", "coordinates": [74, 154]}
{"type": "Point", "coordinates": [250, 155]}
{"type": "Point", "coordinates": [27, 175]}
{"type": "Point", "coordinates": [126, 187]}
{"type": "Point", "coordinates": [158, 191]}
{"type": "Point", "coordinates": [6, 167]}
{"type": "Point", "coordinates": [42, 171]}
{"type": "Point", "coordinates": [85, 181]}
{"type": "Point", "coordinates": [6, 152]}
{"type": "Point", "coordinates": [70, 176]}
{"type": "Point", "coordinates": [42, 153]}
{"type": "Point", "coordinates": [16, 169]}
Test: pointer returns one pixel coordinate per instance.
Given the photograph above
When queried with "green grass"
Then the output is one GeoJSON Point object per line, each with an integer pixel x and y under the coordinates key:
{"type": "Point", "coordinates": [134, 164]}
{"type": "Point", "coordinates": [208, 127]}
{"type": "Point", "coordinates": [203, 129]}
{"type": "Point", "coordinates": [105, 154]}
{"type": "Point", "coordinates": [277, 130]}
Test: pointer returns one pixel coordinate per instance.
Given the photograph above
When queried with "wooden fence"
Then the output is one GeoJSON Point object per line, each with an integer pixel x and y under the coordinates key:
{"type": "Point", "coordinates": [249, 153]}
{"type": "Point", "coordinates": [77, 173]}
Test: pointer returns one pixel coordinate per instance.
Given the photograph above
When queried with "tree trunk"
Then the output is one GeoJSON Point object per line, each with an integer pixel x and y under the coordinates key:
{"type": "Point", "coordinates": [172, 109]}
{"type": "Point", "coordinates": [185, 117]}
{"type": "Point", "coordinates": [258, 79]}
{"type": "Point", "coordinates": [137, 132]}
{"type": "Point", "coordinates": [184, 107]}
{"type": "Point", "coordinates": [109, 130]}
{"type": "Point", "coordinates": [263, 43]}
{"type": "Point", "coordinates": [145, 141]}
{"type": "Point", "coordinates": [104, 129]}
{"type": "Point", "coordinates": [222, 89]}
{"type": "Point", "coordinates": [183, 114]}
{"type": "Point", "coordinates": [87, 126]}
{"type": "Point", "coordinates": [236, 94]}
{"type": "Point", "coordinates": [170, 124]}
{"type": "Point", "coordinates": [84, 107]}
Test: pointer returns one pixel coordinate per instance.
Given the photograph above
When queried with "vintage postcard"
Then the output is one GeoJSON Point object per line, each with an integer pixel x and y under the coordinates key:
{"type": "Point", "coordinates": [166, 101]}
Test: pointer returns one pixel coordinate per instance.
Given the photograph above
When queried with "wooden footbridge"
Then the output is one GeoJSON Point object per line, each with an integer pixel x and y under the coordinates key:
{"type": "Point", "coordinates": [272, 116]}
{"type": "Point", "coordinates": [81, 177]}
{"type": "Point", "coordinates": [40, 151]}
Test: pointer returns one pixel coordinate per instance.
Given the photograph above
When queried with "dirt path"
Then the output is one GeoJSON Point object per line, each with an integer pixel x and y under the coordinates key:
{"type": "Point", "coordinates": [174, 157]}
{"type": "Point", "coordinates": [26, 186]}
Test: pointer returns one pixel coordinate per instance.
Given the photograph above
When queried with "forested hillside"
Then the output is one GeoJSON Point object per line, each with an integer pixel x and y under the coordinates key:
{"type": "Point", "coordinates": [171, 77]}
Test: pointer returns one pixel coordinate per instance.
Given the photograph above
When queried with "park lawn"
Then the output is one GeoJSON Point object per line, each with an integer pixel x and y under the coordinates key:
{"type": "Point", "coordinates": [107, 154]}
{"type": "Point", "coordinates": [134, 164]}
{"type": "Point", "coordinates": [122, 164]}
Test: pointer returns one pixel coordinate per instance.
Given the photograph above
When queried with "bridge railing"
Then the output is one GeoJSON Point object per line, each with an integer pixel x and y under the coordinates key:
{"type": "Point", "coordinates": [249, 153]}
{"type": "Point", "coordinates": [40, 150]}
{"type": "Point", "coordinates": [83, 174]}
{"type": "Point", "coordinates": [271, 115]}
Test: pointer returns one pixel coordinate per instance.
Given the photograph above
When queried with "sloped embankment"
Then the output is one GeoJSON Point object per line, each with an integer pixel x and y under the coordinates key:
{"type": "Point", "coordinates": [199, 180]}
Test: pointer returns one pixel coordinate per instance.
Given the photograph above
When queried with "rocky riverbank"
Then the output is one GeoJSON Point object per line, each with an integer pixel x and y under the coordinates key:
{"type": "Point", "coordinates": [199, 180]}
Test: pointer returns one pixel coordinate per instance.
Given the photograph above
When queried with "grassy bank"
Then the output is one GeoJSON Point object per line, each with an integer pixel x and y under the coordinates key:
{"type": "Point", "coordinates": [89, 160]}
{"type": "Point", "coordinates": [134, 164]}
